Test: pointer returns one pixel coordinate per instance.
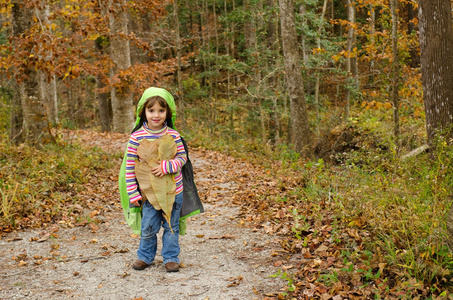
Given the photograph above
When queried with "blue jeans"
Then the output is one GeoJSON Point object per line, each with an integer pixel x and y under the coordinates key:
{"type": "Point", "coordinates": [152, 220]}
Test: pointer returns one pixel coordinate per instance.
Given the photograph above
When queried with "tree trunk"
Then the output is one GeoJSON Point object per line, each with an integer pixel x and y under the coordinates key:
{"type": "Point", "coordinates": [298, 107]}
{"type": "Point", "coordinates": [414, 53]}
{"type": "Point", "coordinates": [410, 18]}
{"type": "Point", "coordinates": [122, 105]}
{"type": "Point", "coordinates": [436, 45]}
{"type": "Point", "coordinates": [29, 121]}
{"type": "Point", "coordinates": [372, 23]}
{"type": "Point", "coordinates": [47, 82]}
{"type": "Point", "coordinates": [54, 100]}
{"type": "Point", "coordinates": [395, 79]}
{"type": "Point", "coordinates": [349, 60]}
{"type": "Point", "coordinates": [318, 45]}
{"type": "Point", "coordinates": [178, 58]}
{"type": "Point", "coordinates": [249, 26]}
{"type": "Point", "coordinates": [303, 12]}
{"type": "Point", "coordinates": [273, 41]}
{"type": "Point", "coordinates": [102, 97]}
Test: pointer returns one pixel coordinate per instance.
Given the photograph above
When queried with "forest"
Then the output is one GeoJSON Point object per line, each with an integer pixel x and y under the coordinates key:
{"type": "Point", "coordinates": [343, 107]}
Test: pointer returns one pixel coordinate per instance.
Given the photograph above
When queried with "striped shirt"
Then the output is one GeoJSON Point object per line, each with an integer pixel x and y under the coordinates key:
{"type": "Point", "coordinates": [172, 166]}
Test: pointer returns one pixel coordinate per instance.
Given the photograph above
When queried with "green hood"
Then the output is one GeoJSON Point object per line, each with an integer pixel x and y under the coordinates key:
{"type": "Point", "coordinates": [154, 91]}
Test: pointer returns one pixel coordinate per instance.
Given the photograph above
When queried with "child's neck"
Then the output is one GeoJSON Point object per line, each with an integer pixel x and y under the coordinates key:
{"type": "Point", "coordinates": [161, 130]}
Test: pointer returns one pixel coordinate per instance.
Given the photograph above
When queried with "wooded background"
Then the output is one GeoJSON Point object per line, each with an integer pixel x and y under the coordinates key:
{"type": "Point", "coordinates": [343, 106]}
{"type": "Point", "coordinates": [281, 72]}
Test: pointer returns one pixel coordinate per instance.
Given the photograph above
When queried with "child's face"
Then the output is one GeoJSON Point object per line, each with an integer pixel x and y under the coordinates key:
{"type": "Point", "coordinates": [155, 116]}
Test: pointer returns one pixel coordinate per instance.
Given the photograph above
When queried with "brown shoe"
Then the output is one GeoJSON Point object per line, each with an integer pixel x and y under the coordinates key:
{"type": "Point", "coordinates": [139, 265]}
{"type": "Point", "coordinates": [172, 267]}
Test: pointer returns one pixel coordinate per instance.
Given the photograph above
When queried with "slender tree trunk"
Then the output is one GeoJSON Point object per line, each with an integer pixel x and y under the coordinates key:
{"type": "Point", "coordinates": [276, 120]}
{"type": "Point", "coordinates": [414, 53]}
{"type": "Point", "coordinates": [178, 58]}
{"type": "Point", "coordinates": [350, 47]}
{"type": "Point", "coordinates": [436, 45]}
{"type": "Point", "coordinates": [227, 49]}
{"type": "Point", "coordinates": [204, 37]}
{"type": "Point", "coordinates": [410, 18]}
{"type": "Point", "coordinates": [318, 45]}
{"type": "Point", "coordinates": [80, 100]}
{"type": "Point", "coordinates": [372, 23]}
{"type": "Point", "coordinates": [263, 121]}
{"type": "Point", "coordinates": [298, 107]}
{"type": "Point", "coordinates": [16, 117]}
{"type": "Point", "coordinates": [273, 44]}
{"type": "Point", "coordinates": [395, 79]}
{"type": "Point", "coordinates": [122, 105]}
{"type": "Point", "coordinates": [232, 26]}
{"type": "Point", "coordinates": [54, 99]}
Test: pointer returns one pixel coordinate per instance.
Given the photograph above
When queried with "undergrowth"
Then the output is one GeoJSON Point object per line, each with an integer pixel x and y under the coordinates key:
{"type": "Point", "coordinates": [392, 211]}
{"type": "Point", "coordinates": [42, 186]}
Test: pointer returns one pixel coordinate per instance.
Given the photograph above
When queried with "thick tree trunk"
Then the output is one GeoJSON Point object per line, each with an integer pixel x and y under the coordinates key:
{"type": "Point", "coordinates": [436, 45]}
{"type": "Point", "coordinates": [302, 13]}
{"type": "Point", "coordinates": [249, 26]}
{"type": "Point", "coordinates": [29, 113]}
{"type": "Point", "coordinates": [122, 105]}
{"type": "Point", "coordinates": [102, 97]}
{"type": "Point", "coordinates": [47, 82]}
{"type": "Point", "coordinates": [299, 117]}
{"type": "Point", "coordinates": [104, 108]}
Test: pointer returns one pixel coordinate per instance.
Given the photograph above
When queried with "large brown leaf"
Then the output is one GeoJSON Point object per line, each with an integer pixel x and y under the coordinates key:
{"type": "Point", "coordinates": [160, 191]}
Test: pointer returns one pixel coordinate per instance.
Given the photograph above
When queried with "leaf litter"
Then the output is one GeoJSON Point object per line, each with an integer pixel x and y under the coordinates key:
{"type": "Point", "coordinates": [88, 253]}
{"type": "Point", "coordinates": [280, 248]}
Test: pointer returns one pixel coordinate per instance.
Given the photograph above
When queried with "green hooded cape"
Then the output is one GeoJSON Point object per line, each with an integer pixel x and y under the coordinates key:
{"type": "Point", "coordinates": [191, 203]}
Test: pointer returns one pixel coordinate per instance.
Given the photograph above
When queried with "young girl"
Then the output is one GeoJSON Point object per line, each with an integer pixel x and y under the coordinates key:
{"type": "Point", "coordinates": [153, 122]}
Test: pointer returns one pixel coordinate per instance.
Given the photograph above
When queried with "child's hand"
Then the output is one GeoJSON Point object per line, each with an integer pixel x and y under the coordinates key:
{"type": "Point", "coordinates": [157, 171]}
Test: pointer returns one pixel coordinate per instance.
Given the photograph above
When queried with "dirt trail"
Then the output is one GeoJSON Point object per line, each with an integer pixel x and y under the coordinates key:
{"type": "Point", "coordinates": [222, 258]}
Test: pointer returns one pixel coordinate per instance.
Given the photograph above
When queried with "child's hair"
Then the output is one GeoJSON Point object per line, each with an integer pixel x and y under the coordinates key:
{"type": "Point", "coordinates": [150, 102]}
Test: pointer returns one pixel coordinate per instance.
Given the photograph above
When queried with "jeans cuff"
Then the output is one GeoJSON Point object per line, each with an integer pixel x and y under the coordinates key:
{"type": "Point", "coordinates": [176, 260]}
{"type": "Point", "coordinates": [144, 260]}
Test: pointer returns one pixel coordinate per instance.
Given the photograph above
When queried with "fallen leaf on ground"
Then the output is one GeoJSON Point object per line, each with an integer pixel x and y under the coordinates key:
{"type": "Point", "coordinates": [122, 251]}
{"type": "Point", "coordinates": [278, 263]}
{"type": "Point", "coordinates": [235, 281]}
{"type": "Point", "coordinates": [94, 213]}
{"type": "Point", "coordinates": [22, 263]}
{"type": "Point", "coordinates": [94, 227]}
{"type": "Point", "coordinates": [44, 238]}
